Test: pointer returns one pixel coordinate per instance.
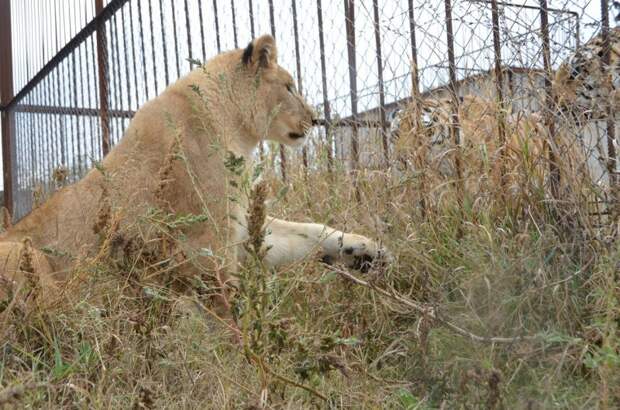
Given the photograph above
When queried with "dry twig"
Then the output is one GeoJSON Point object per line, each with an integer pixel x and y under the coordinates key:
{"type": "Point", "coordinates": [432, 313]}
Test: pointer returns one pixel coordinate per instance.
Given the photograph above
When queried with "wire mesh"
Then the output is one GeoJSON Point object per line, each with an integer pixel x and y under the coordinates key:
{"type": "Point", "coordinates": [358, 62]}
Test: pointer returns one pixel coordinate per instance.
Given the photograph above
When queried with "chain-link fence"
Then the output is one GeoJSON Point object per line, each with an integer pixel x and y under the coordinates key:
{"type": "Point", "coordinates": [480, 72]}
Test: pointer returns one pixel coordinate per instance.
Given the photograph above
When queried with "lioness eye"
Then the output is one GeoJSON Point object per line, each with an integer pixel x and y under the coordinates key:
{"type": "Point", "coordinates": [290, 88]}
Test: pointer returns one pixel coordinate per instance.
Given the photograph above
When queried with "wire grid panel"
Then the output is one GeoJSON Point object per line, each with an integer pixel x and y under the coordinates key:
{"type": "Point", "coordinates": [353, 61]}
{"type": "Point", "coordinates": [57, 129]}
{"type": "Point", "coordinates": [569, 107]}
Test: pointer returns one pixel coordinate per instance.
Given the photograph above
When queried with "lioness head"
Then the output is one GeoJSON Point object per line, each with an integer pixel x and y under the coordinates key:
{"type": "Point", "coordinates": [280, 112]}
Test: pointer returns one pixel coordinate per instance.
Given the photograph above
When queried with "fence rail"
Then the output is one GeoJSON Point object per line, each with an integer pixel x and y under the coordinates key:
{"type": "Point", "coordinates": [81, 68]}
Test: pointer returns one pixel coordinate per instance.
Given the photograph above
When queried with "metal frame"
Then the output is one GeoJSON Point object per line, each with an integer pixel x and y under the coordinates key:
{"type": "Point", "coordinates": [554, 170]}
{"type": "Point", "coordinates": [454, 124]}
{"type": "Point", "coordinates": [115, 82]}
{"type": "Point", "coordinates": [499, 89]}
{"type": "Point", "coordinates": [6, 97]}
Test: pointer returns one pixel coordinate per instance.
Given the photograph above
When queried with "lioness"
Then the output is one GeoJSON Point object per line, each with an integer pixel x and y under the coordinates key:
{"type": "Point", "coordinates": [174, 156]}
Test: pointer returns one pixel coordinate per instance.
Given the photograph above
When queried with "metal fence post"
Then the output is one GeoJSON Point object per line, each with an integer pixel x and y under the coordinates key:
{"type": "Point", "coordinates": [102, 70]}
{"type": "Point", "coordinates": [454, 123]}
{"type": "Point", "coordinates": [272, 23]}
{"type": "Point", "coordinates": [6, 95]}
{"type": "Point", "coordinates": [499, 88]}
{"type": "Point", "coordinates": [251, 12]}
{"type": "Point", "coordinates": [326, 107]}
{"type": "Point", "coordinates": [217, 27]}
{"type": "Point", "coordinates": [304, 151]}
{"type": "Point", "coordinates": [612, 166]}
{"type": "Point", "coordinates": [416, 100]}
{"type": "Point", "coordinates": [554, 171]}
{"type": "Point", "coordinates": [349, 13]}
{"type": "Point", "coordinates": [415, 78]}
{"type": "Point", "coordinates": [234, 23]}
{"type": "Point", "coordinates": [261, 144]}
{"type": "Point", "coordinates": [384, 140]}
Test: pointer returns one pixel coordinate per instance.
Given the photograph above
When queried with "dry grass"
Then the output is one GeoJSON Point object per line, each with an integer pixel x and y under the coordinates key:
{"type": "Point", "coordinates": [131, 331]}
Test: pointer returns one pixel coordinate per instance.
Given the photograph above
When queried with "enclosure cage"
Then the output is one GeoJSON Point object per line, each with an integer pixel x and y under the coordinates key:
{"type": "Point", "coordinates": [74, 72]}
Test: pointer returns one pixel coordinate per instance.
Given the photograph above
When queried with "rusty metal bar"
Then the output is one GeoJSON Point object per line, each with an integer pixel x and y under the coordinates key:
{"type": "Point", "coordinates": [304, 150]}
{"type": "Point", "coordinates": [163, 42]}
{"type": "Point", "coordinates": [117, 65]}
{"type": "Point", "coordinates": [6, 95]}
{"type": "Point", "coordinates": [104, 79]}
{"type": "Point", "coordinates": [612, 165]}
{"type": "Point", "coordinates": [127, 114]}
{"type": "Point", "coordinates": [176, 39]}
{"type": "Point", "coordinates": [39, 148]}
{"type": "Point", "coordinates": [36, 119]}
{"type": "Point", "coordinates": [416, 99]}
{"type": "Point", "coordinates": [234, 23]}
{"type": "Point", "coordinates": [72, 91]}
{"type": "Point", "coordinates": [124, 44]}
{"type": "Point", "coordinates": [155, 82]}
{"type": "Point", "coordinates": [37, 166]}
{"type": "Point", "coordinates": [31, 149]}
{"type": "Point", "coordinates": [272, 19]}
{"type": "Point", "coordinates": [18, 162]}
{"type": "Point", "coordinates": [61, 110]}
{"type": "Point", "coordinates": [554, 171]}
{"type": "Point", "coordinates": [454, 124]}
{"type": "Point", "coordinates": [349, 12]}
{"type": "Point", "coordinates": [189, 35]}
{"type": "Point", "coordinates": [46, 97]}
{"type": "Point", "coordinates": [59, 96]}
{"type": "Point", "coordinates": [415, 78]}
{"type": "Point", "coordinates": [217, 27]}
{"type": "Point", "coordinates": [91, 79]}
{"type": "Point", "coordinates": [386, 152]}
{"type": "Point", "coordinates": [272, 23]}
{"type": "Point", "coordinates": [261, 147]}
{"type": "Point", "coordinates": [143, 50]}
{"type": "Point", "coordinates": [77, 136]}
{"type": "Point", "coordinates": [499, 89]}
{"type": "Point", "coordinates": [326, 107]}
{"type": "Point", "coordinates": [24, 35]}
{"type": "Point", "coordinates": [64, 95]}
{"type": "Point", "coordinates": [133, 54]}
{"type": "Point", "coordinates": [251, 9]}
{"type": "Point", "coordinates": [202, 32]}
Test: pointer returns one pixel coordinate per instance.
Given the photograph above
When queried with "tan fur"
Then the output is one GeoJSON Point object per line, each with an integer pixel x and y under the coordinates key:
{"type": "Point", "coordinates": [22, 266]}
{"type": "Point", "coordinates": [224, 106]}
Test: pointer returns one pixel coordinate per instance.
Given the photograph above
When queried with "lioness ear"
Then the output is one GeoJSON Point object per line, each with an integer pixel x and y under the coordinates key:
{"type": "Point", "coordinates": [261, 52]}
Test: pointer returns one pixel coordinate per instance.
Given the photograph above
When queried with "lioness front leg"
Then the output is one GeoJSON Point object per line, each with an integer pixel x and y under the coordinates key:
{"type": "Point", "coordinates": [287, 242]}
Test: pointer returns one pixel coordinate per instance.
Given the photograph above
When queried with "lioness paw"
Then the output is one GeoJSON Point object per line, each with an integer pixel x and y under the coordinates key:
{"type": "Point", "coordinates": [361, 253]}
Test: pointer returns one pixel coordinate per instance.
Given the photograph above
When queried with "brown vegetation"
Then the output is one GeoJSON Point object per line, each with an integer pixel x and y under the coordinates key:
{"type": "Point", "coordinates": [483, 307]}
